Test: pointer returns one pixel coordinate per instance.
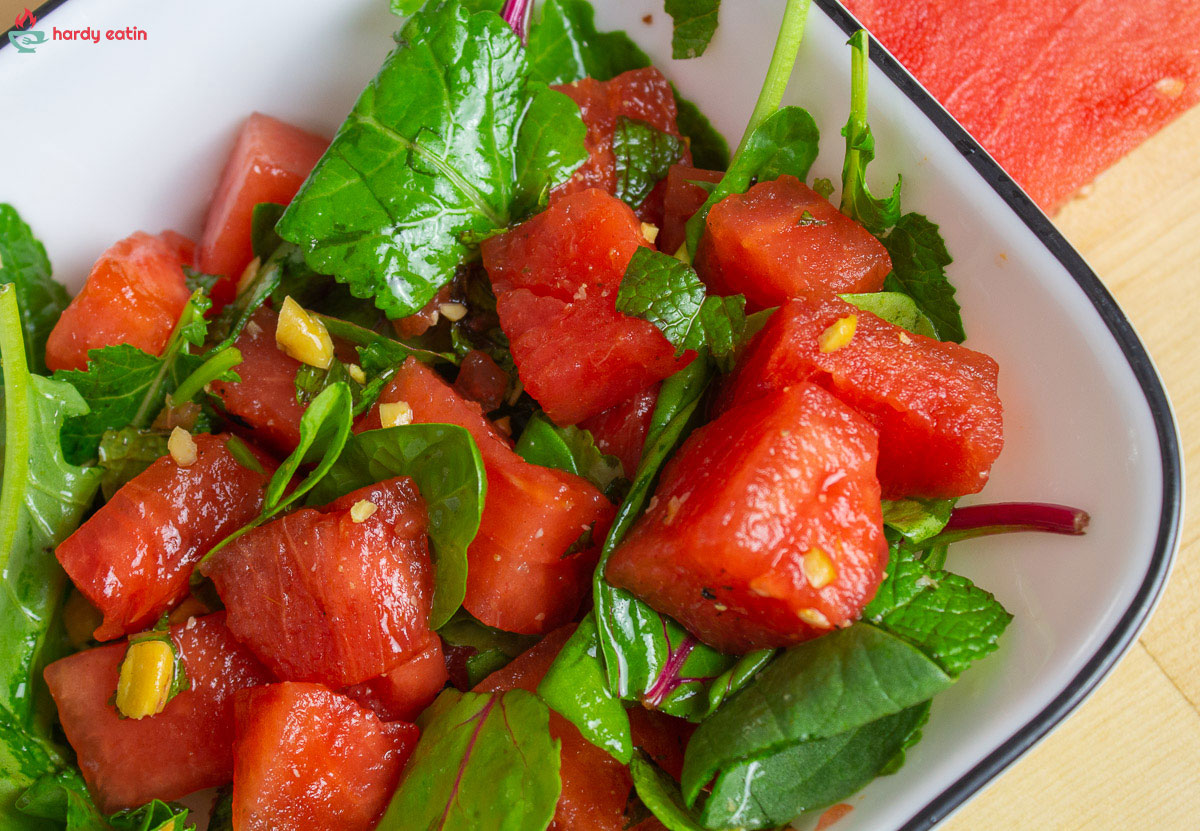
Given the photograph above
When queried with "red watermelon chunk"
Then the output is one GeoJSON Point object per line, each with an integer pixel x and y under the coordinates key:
{"type": "Point", "coordinates": [683, 198]}
{"type": "Point", "coordinates": [595, 786]}
{"type": "Point", "coordinates": [641, 94]}
{"type": "Point", "coordinates": [766, 528]}
{"type": "Point", "coordinates": [1056, 91]}
{"type": "Point", "coordinates": [621, 430]}
{"type": "Point", "coordinates": [269, 162]}
{"type": "Point", "coordinates": [133, 558]}
{"type": "Point", "coordinates": [321, 597]}
{"type": "Point", "coordinates": [185, 748]}
{"type": "Point", "coordinates": [404, 692]}
{"type": "Point", "coordinates": [781, 239]}
{"type": "Point", "coordinates": [556, 279]}
{"type": "Point", "coordinates": [934, 404]}
{"type": "Point", "coordinates": [520, 577]}
{"type": "Point", "coordinates": [134, 294]}
{"type": "Point", "coordinates": [307, 757]}
{"type": "Point", "coordinates": [265, 397]}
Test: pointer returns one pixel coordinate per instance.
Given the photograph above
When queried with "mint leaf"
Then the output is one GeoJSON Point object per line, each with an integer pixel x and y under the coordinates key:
{"type": "Point", "coordinates": [63, 798]}
{"type": "Point", "coordinates": [695, 22]}
{"type": "Point", "coordinates": [786, 143]}
{"type": "Point", "coordinates": [23, 262]}
{"type": "Point", "coordinates": [896, 308]}
{"type": "Point", "coordinates": [874, 214]}
{"type": "Point", "coordinates": [430, 156]}
{"type": "Point", "coordinates": [571, 449]}
{"type": "Point", "coordinates": [643, 154]}
{"type": "Point", "coordinates": [919, 260]}
{"type": "Point", "coordinates": [126, 387]}
{"type": "Point", "coordinates": [445, 463]}
{"type": "Point", "coordinates": [125, 453]}
{"type": "Point", "coordinates": [917, 519]}
{"type": "Point", "coordinates": [484, 761]}
{"type": "Point", "coordinates": [669, 294]}
{"type": "Point", "coordinates": [42, 500]}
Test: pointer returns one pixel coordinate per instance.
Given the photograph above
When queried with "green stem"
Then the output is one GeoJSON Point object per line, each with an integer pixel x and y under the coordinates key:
{"type": "Point", "coordinates": [210, 370]}
{"type": "Point", "coordinates": [857, 123]}
{"type": "Point", "coordinates": [16, 419]}
{"type": "Point", "coordinates": [783, 59]}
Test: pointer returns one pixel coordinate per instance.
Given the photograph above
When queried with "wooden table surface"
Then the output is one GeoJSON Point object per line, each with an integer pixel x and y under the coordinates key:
{"type": "Point", "coordinates": [1130, 756]}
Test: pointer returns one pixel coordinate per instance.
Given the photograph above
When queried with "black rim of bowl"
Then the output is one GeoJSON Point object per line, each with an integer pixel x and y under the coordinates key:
{"type": "Point", "coordinates": [1130, 624]}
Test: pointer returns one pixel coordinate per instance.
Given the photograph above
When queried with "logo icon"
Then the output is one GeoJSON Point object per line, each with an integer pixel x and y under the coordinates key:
{"type": "Point", "coordinates": [23, 36]}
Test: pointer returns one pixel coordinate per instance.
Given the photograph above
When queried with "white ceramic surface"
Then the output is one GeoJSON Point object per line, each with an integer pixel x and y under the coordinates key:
{"type": "Point", "coordinates": [101, 139]}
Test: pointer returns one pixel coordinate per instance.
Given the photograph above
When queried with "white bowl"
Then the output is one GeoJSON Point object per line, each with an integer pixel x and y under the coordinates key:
{"type": "Point", "coordinates": [102, 139]}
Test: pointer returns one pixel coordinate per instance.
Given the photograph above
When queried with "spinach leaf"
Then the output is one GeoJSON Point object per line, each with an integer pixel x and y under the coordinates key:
{"type": "Point", "coordinates": [576, 688]}
{"type": "Point", "coordinates": [775, 789]}
{"type": "Point", "coordinates": [571, 449]}
{"type": "Point", "coordinates": [42, 499]}
{"type": "Point", "coordinates": [917, 519]}
{"type": "Point", "coordinates": [660, 793]}
{"type": "Point", "coordinates": [126, 387]}
{"type": "Point", "coordinates": [445, 463]}
{"type": "Point", "coordinates": [668, 293]}
{"type": "Point", "coordinates": [819, 689]}
{"type": "Point", "coordinates": [896, 308]}
{"type": "Point", "coordinates": [695, 22]}
{"type": "Point", "coordinates": [946, 616]}
{"type": "Point", "coordinates": [490, 648]}
{"type": "Point", "coordinates": [263, 239]}
{"type": "Point", "coordinates": [23, 263]}
{"type": "Point", "coordinates": [919, 260]}
{"type": "Point", "coordinates": [125, 453]}
{"type": "Point", "coordinates": [876, 215]}
{"type": "Point", "coordinates": [429, 156]}
{"type": "Point", "coordinates": [324, 430]}
{"type": "Point", "coordinates": [784, 144]}
{"type": "Point", "coordinates": [643, 155]}
{"type": "Point", "coordinates": [485, 762]}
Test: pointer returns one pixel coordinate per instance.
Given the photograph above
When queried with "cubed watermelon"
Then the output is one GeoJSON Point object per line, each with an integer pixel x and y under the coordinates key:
{"type": "Point", "coordinates": [133, 558]}
{"type": "Point", "coordinates": [403, 693]}
{"type": "Point", "coordinates": [482, 380]}
{"type": "Point", "coordinates": [621, 430]}
{"type": "Point", "coordinates": [331, 595]}
{"type": "Point", "coordinates": [940, 421]}
{"type": "Point", "coordinates": [531, 563]}
{"type": "Point", "coordinates": [269, 162]}
{"type": "Point", "coordinates": [134, 294]}
{"type": "Point", "coordinates": [185, 748]}
{"type": "Point", "coordinates": [309, 758]}
{"type": "Point", "coordinates": [766, 527]}
{"type": "Point", "coordinates": [782, 239]}
{"type": "Point", "coordinates": [683, 198]}
{"type": "Point", "coordinates": [556, 279]}
{"type": "Point", "coordinates": [264, 400]}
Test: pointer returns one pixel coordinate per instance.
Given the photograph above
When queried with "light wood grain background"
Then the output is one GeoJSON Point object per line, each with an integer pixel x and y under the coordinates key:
{"type": "Point", "coordinates": [1130, 757]}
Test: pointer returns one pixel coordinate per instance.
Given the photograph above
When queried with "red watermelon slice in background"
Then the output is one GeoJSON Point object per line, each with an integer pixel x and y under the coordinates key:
{"type": "Point", "coordinates": [1055, 90]}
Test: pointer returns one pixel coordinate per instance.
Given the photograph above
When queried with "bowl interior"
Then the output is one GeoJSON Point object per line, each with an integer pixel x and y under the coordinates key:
{"type": "Point", "coordinates": [102, 139]}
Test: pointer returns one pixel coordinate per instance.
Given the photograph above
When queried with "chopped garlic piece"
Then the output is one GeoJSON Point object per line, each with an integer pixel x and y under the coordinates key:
{"type": "Point", "coordinates": [182, 447]}
{"type": "Point", "coordinates": [904, 338]}
{"type": "Point", "coordinates": [838, 334]}
{"type": "Point", "coordinates": [453, 312]}
{"type": "Point", "coordinates": [395, 414]}
{"type": "Point", "coordinates": [818, 568]}
{"type": "Point", "coordinates": [248, 275]}
{"type": "Point", "coordinates": [361, 510]}
{"type": "Point", "coordinates": [356, 373]}
{"type": "Point", "coordinates": [813, 617]}
{"type": "Point", "coordinates": [650, 232]}
{"type": "Point", "coordinates": [302, 336]}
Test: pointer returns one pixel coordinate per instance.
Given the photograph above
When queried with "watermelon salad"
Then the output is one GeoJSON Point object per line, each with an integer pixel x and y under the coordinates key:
{"type": "Point", "coordinates": [516, 458]}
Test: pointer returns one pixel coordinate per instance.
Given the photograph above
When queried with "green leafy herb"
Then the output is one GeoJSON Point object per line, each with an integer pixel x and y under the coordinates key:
{"type": "Point", "coordinates": [571, 449]}
{"type": "Point", "coordinates": [668, 293]}
{"type": "Point", "coordinates": [823, 187]}
{"type": "Point", "coordinates": [695, 22]}
{"type": "Point", "coordinates": [917, 519]}
{"type": "Point", "coordinates": [243, 455]}
{"type": "Point", "coordinates": [919, 260]}
{"type": "Point", "coordinates": [42, 499]}
{"type": "Point", "coordinates": [876, 215]}
{"type": "Point", "coordinates": [127, 452]}
{"type": "Point", "coordinates": [709, 148]}
{"type": "Point", "coordinates": [126, 387]}
{"type": "Point", "coordinates": [660, 793]}
{"type": "Point", "coordinates": [429, 155]}
{"type": "Point", "coordinates": [817, 690]}
{"type": "Point", "coordinates": [263, 239]}
{"type": "Point", "coordinates": [947, 617]}
{"type": "Point", "coordinates": [445, 463]}
{"type": "Point", "coordinates": [491, 648]}
{"type": "Point", "coordinates": [785, 143]}
{"type": "Point", "coordinates": [156, 816]}
{"type": "Point", "coordinates": [485, 762]}
{"type": "Point", "coordinates": [220, 818]}
{"type": "Point", "coordinates": [896, 308]}
{"type": "Point", "coordinates": [310, 380]}
{"type": "Point", "coordinates": [23, 263]}
{"type": "Point", "coordinates": [643, 156]}
{"type": "Point", "coordinates": [63, 798]}
{"type": "Point", "coordinates": [576, 687]}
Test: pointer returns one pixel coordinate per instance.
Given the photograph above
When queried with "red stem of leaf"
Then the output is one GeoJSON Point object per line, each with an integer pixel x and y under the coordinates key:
{"type": "Point", "coordinates": [1008, 517]}
{"type": "Point", "coordinates": [516, 15]}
